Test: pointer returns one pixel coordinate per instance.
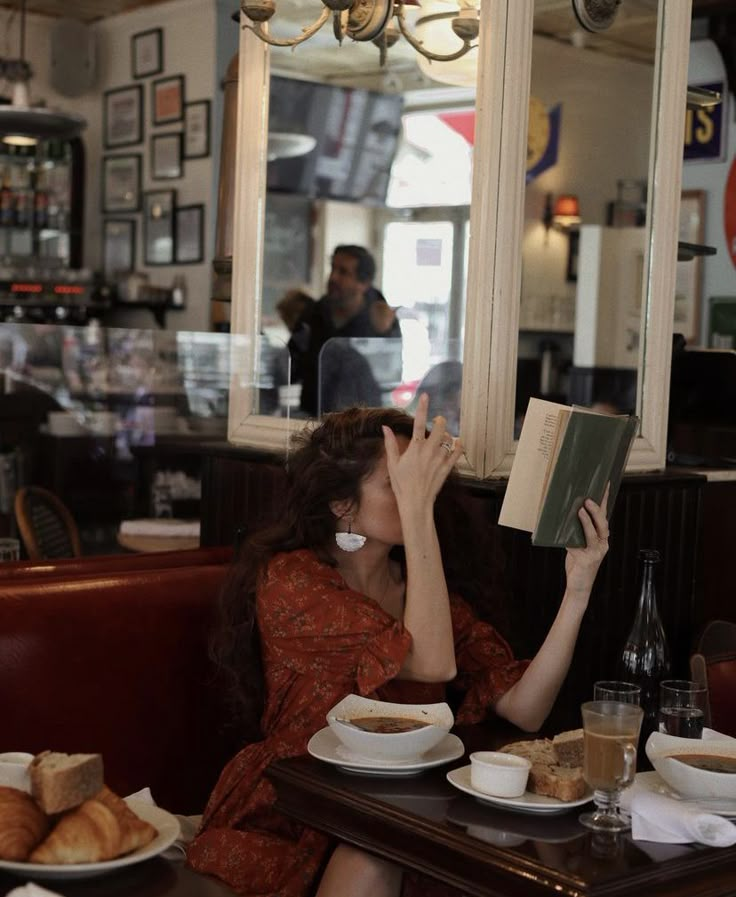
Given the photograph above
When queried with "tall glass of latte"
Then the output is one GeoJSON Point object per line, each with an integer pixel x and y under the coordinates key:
{"type": "Point", "coordinates": [610, 736]}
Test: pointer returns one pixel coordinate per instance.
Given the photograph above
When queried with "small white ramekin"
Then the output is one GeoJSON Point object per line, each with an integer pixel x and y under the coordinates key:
{"type": "Point", "coordinates": [498, 774]}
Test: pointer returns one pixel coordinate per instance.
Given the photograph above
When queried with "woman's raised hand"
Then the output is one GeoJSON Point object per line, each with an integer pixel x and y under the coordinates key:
{"type": "Point", "coordinates": [418, 473]}
{"type": "Point", "coordinates": [581, 564]}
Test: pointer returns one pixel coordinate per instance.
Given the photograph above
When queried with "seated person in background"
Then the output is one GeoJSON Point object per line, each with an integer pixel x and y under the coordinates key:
{"type": "Point", "coordinates": [333, 618]}
{"type": "Point", "coordinates": [345, 378]}
{"type": "Point", "coordinates": [294, 305]}
{"type": "Point", "coordinates": [351, 307]}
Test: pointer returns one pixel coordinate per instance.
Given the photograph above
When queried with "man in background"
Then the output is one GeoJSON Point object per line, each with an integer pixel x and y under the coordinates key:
{"type": "Point", "coordinates": [351, 307]}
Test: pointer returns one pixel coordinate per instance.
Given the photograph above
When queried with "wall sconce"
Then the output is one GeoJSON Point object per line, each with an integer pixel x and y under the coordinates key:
{"type": "Point", "coordinates": [563, 214]}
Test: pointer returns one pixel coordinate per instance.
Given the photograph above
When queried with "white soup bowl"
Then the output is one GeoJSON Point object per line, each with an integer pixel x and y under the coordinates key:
{"type": "Point", "coordinates": [389, 746]}
{"type": "Point", "coordinates": [689, 781]}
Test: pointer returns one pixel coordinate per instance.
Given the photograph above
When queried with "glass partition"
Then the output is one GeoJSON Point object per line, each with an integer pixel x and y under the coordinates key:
{"type": "Point", "coordinates": [110, 419]}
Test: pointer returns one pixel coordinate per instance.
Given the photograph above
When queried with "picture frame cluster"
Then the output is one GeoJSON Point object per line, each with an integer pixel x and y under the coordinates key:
{"type": "Point", "coordinates": [176, 131]}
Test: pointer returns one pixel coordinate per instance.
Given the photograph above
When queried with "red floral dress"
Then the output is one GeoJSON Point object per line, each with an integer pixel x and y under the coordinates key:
{"type": "Point", "coordinates": [322, 641]}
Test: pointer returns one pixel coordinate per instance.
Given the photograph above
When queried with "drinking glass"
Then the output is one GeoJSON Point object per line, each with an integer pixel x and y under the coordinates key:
{"type": "Point", "coordinates": [682, 708]}
{"type": "Point", "coordinates": [610, 736]}
{"type": "Point", "coordinates": [613, 690]}
{"type": "Point", "coordinates": [9, 550]}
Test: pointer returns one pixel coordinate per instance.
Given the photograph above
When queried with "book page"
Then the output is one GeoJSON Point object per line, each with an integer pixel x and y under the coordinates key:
{"type": "Point", "coordinates": [529, 472]}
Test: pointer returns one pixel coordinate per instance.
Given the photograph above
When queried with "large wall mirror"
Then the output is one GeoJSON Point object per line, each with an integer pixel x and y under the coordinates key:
{"type": "Point", "coordinates": [518, 299]}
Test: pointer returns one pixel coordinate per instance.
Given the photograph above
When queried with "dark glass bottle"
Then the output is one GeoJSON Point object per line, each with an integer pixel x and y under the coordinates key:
{"type": "Point", "coordinates": [645, 657]}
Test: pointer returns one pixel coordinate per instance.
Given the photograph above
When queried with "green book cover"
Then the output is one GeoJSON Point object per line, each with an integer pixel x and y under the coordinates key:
{"type": "Point", "coordinates": [592, 452]}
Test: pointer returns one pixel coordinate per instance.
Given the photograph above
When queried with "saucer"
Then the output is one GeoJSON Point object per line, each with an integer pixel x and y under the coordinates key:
{"type": "Point", "coordinates": [326, 746]}
{"type": "Point", "coordinates": [527, 803]}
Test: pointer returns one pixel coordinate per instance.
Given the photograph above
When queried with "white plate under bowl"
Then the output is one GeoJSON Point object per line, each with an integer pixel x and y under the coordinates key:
{"type": "Point", "coordinates": [168, 831]}
{"type": "Point", "coordinates": [326, 746]}
{"type": "Point", "coordinates": [653, 781]}
{"type": "Point", "coordinates": [527, 803]}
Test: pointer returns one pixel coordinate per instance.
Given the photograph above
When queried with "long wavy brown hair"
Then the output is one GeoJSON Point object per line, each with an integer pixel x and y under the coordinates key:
{"type": "Point", "coordinates": [327, 464]}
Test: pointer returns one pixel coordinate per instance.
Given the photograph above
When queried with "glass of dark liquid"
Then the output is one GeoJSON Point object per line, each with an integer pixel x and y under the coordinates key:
{"type": "Point", "coordinates": [682, 708]}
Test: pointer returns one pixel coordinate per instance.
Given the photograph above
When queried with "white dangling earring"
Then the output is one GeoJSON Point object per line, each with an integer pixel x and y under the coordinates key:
{"type": "Point", "coordinates": [350, 541]}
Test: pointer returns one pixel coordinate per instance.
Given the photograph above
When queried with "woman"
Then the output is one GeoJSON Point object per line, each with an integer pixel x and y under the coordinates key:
{"type": "Point", "coordinates": [337, 613]}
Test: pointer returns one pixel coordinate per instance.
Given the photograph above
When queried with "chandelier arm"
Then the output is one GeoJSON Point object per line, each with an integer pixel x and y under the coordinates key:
{"type": "Point", "coordinates": [419, 46]}
{"type": "Point", "coordinates": [307, 32]}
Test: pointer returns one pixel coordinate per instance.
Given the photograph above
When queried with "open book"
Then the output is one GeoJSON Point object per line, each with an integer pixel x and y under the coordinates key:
{"type": "Point", "coordinates": [565, 455]}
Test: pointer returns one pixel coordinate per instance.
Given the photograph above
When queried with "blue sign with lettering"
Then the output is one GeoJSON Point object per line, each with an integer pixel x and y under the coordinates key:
{"type": "Point", "coordinates": [704, 128]}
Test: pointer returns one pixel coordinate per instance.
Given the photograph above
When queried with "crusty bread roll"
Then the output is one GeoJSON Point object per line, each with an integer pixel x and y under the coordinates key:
{"type": "Point", "coordinates": [547, 776]}
{"type": "Point", "coordinates": [60, 782]}
{"type": "Point", "coordinates": [23, 824]}
{"type": "Point", "coordinates": [568, 748]}
{"type": "Point", "coordinates": [100, 829]}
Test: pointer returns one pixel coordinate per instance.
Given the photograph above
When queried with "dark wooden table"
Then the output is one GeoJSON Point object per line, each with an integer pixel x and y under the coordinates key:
{"type": "Point", "coordinates": [424, 823]}
{"type": "Point", "coordinates": [153, 878]}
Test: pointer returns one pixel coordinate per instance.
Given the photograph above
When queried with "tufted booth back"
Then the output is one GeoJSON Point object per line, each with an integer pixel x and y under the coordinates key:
{"type": "Point", "coordinates": [113, 563]}
{"type": "Point", "coordinates": [117, 663]}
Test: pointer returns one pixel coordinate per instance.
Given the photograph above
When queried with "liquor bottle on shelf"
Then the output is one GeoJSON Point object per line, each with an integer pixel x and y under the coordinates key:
{"type": "Point", "coordinates": [23, 198]}
{"type": "Point", "coordinates": [40, 203]}
{"type": "Point", "coordinates": [7, 200]}
{"type": "Point", "coordinates": [645, 657]}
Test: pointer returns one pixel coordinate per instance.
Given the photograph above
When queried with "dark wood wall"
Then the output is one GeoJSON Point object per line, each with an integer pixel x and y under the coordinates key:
{"type": "Point", "coordinates": [515, 585]}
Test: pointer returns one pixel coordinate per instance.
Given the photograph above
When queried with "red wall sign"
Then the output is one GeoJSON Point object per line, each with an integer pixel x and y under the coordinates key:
{"type": "Point", "coordinates": [729, 212]}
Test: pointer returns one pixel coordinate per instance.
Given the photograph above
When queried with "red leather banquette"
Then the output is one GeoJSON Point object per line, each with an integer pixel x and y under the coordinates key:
{"type": "Point", "coordinates": [109, 655]}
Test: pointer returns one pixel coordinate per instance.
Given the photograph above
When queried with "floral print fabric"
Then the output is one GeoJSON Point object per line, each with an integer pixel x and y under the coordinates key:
{"type": "Point", "coordinates": [320, 642]}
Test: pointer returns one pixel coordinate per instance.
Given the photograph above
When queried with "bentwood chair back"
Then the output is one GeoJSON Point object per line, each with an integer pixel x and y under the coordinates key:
{"type": "Point", "coordinates": [46, 525]}
{"type": "Point", "coordinates": [714, 665]}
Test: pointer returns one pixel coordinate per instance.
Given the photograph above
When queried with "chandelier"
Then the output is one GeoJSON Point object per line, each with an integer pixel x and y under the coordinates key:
{"type": "Point", "coordinates": [381, 21]}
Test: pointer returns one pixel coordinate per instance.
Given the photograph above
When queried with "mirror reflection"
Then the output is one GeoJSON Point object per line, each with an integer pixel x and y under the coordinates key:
{"type": "Point", "coordinates": [382, 159]}
{"type": "Point", "coordinates": [588, 150]}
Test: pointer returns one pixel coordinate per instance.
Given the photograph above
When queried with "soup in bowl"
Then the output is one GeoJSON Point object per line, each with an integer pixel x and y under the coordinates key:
{"type": "Point", "coordinates": [379, 730]}
{"type": "Point", "coordinates": [695, 767]}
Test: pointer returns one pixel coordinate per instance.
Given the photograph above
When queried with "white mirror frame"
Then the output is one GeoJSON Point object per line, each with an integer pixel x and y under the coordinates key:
{"type": "Point", "coordinates": [496, 226]}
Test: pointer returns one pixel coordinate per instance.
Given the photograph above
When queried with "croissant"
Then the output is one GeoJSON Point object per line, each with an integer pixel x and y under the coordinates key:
{"type": "Point", "coordinates": [23, 824]}
{"type": "Point", "coordinates": [88, 834]}
{"type": "Point", "coordinates": [134, 831]}
{"type": "Point", "coordinates": [100, 829]}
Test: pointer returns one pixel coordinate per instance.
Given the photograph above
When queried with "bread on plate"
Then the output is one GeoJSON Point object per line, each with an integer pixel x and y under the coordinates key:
{"type": "Point", "coordinates": [552, 773]}
{"type": "Point", "coordinates": [23, 824]}
{"type": "Point", "coordinates": [61, 782]}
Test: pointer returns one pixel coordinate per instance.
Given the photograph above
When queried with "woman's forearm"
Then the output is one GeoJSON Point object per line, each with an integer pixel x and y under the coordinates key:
{"type": "Point", "coordinates": [427, 607]}
{"type": "Point", "coordinates": [528, 703]}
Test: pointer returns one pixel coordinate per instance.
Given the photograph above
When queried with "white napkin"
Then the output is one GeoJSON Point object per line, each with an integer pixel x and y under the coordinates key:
{"type": "Point", "coordinates": [656, 817]}
{"type": "Point", "coordinates": [189, 826]}
{"type": "Point", "coordinates": [31, 890]}
{"type": "Point", "coordinates": [163, 527]}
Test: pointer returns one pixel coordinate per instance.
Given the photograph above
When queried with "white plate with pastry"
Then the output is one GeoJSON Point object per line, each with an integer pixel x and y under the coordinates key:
{"type": "Point", "coordinates": [326, 746]}
{"type": "Point", "coordinates": [166, 825]}
{"type": "Point", "coordinates": [527, 803]}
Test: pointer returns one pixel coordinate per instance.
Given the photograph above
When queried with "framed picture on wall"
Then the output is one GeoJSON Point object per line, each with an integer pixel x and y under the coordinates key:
{"type": "Point", "coordinates": [122, 116]}
{"type": "Point", "coordinates": [147, 53]}
{"type": "Point", "coordinates": [121, 183]}
{"type": "Point", "coordinates": [189, 234]}
{"type": "Point", "coordinates": [158, 227]}
{"type": "Point", "coordinates": [689, 279]}
{"type": "Point", "coordinates": [118, 246]}
{"type": "Point", "coordinates": [166, 156]}
{"type": "Point", "coordinates": [197, 130]}
{"type": "Point", "coordinates": [168, 99]}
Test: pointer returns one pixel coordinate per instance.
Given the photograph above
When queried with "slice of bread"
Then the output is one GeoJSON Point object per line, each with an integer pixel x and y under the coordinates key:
{"type": "Point", "coordinates": [547, 776]}
{"type": "Point", "coordinates": [568, 748]}
{"type": "Point", "coordinates": [61, 782]}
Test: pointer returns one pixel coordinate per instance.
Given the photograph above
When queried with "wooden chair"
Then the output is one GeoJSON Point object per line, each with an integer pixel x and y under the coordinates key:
{"type": "Point", "coordinates": [46, 525]}
{"type": "Point", "coordinates": [714, 666]}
